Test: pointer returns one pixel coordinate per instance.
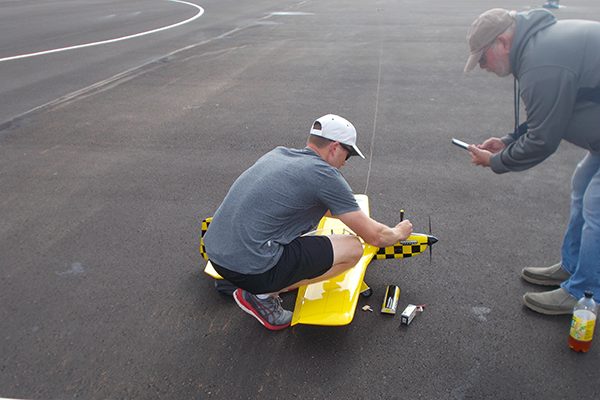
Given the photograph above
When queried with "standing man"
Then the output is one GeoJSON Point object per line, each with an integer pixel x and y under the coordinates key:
{"type": "Point", "coordinates": [255, 238]}
{"type": "Point", "coordinates": [556, 64]}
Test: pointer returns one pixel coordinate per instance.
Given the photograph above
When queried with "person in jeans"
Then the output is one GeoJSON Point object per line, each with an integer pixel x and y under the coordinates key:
{"type": "Point", "coordinates": [556, 66]}
{"type": "Point", "coordinates": [255, 238]}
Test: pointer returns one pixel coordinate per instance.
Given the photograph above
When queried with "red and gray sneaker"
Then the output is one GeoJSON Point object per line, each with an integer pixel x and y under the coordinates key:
{"type": "Point", "coordinates": [268, 312]}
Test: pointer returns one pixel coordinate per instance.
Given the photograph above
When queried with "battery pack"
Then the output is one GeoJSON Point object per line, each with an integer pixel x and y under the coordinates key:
{"type": "Point", "coordinates": [408, 314]}
{"type": "Point", "coordinates": [390, 301]}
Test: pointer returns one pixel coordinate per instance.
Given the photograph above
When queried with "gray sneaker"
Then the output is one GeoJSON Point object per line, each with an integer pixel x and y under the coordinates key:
{"type": "Point", "coordinates": [268, 312]}
{"type": "Point", "coordinates": [554, 302]}
{"type": "Point", "coordinates": [546, 276]}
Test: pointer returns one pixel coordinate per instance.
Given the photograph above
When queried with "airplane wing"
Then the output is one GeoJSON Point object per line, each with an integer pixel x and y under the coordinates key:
{"type": "Point", "coordinates": [333, 302]}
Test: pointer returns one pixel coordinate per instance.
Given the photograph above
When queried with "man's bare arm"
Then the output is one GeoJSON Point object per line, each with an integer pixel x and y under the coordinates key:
{"type": "Point", "coordinates": [373, 232]}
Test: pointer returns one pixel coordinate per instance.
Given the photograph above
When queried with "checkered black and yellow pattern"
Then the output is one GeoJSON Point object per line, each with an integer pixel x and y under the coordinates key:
{"type": "Point", "coordinates": [205, 225]}
{"type": "Point", "coordinates": [415, 244]}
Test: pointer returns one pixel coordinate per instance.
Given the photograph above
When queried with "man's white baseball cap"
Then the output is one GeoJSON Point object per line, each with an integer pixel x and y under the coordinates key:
{"type": "Point", "coordinates": [337, 129]}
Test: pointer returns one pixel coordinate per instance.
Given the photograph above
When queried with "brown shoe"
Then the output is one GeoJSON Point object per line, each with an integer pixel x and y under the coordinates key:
{"type": "Point", "coordinates": [546, 276]}
{"type": "Point", "coordinates": [554, 302]}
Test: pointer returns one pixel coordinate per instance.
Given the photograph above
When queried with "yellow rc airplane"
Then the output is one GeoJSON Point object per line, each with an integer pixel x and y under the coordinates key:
{"type": "Point", "coordinates": [333, 302]}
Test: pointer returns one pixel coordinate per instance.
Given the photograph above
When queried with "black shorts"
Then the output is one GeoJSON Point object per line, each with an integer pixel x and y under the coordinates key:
{"type": "Point", "coordinates": [306, 257]}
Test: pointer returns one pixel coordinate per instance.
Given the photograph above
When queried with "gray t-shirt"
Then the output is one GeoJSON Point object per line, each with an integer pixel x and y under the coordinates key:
{"type": "Point", "coordinates": [283, 195]}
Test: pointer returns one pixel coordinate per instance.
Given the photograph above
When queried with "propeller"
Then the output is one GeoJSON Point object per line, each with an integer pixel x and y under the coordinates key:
{"type": "Point", "coordinates": [431, 240]}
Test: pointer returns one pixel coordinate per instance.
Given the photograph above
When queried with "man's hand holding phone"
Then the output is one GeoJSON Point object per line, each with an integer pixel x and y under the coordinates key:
{"type": "Point", "coordinates": [481, 154]}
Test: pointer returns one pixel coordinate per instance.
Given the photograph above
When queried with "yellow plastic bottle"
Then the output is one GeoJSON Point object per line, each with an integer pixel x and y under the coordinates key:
{"type": "Point", "coordinates": [583, 323]}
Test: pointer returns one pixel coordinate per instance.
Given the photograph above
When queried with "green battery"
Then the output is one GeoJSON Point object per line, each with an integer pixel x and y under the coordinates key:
{"type": "Point", "coordinates": [390, 301]}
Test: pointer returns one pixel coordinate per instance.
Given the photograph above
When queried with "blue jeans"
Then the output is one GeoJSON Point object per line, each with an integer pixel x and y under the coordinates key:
{"type": "Point", "coordinates": [581, 246]}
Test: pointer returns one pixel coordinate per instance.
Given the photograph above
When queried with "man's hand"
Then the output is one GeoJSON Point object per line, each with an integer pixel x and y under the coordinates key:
{"type": "Point", "coordinates": [493, 145]}
{"type": "Point", "coordinates": [479, 156]}
{"type": "Point", "coordinates": [405, 228]}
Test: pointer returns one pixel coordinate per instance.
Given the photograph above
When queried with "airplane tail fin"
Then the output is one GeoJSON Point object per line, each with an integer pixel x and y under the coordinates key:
{"type": "Point", "coordinates": [205, 225]}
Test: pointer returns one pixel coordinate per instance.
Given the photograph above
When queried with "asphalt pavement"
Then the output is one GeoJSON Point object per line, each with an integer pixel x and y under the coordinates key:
{"type": "Point", "coordinates": [102, 194]}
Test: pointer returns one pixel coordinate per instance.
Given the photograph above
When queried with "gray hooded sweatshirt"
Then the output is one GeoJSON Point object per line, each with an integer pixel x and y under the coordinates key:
{"type": "Point", "coordinates": [557, 65]}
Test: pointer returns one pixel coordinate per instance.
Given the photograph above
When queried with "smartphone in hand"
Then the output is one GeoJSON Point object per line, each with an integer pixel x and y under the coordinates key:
{"type": "Point", "coordinates": [460, 143]}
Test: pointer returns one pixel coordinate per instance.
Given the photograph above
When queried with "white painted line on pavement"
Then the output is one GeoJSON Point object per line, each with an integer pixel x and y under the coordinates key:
{"type": "Point", "coordinates": [80, 46]}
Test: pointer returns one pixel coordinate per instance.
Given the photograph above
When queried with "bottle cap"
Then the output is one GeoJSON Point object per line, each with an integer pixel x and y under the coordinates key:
{"type": "Point", "coordinates": [589, 294]}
